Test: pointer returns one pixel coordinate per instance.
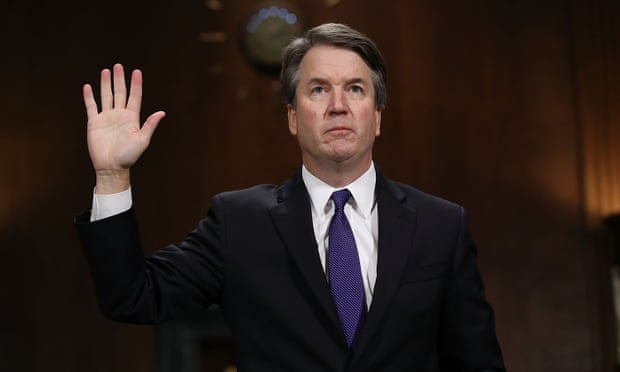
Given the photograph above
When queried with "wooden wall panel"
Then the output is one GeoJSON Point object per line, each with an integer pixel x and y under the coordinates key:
{"type": "Point", "coordinates": [489, 105]}
{"type": "Point", "coordinates": [596, 26]}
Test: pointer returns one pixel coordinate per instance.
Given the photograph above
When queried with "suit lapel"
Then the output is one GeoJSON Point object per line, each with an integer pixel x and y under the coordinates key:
{"type": "Point", "coordinates": [397, 224]}
{"type": "Point", "coordinates": [292, 218]}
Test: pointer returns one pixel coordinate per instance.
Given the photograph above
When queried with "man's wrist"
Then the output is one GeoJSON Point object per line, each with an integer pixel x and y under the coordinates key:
{"type": "Point", "coordinates": [112, 182]}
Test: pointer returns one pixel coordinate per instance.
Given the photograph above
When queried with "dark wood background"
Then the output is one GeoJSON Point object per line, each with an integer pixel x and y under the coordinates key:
{"type": "Point", "coordinates": [507, 107]}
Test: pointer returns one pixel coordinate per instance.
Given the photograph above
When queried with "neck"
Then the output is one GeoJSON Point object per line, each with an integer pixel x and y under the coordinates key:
{"type": "Point", "coordinates": [338, 174]}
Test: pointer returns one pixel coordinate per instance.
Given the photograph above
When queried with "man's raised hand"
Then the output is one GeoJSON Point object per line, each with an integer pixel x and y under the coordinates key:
{"type": "Point", "coordinates": [114, 135]}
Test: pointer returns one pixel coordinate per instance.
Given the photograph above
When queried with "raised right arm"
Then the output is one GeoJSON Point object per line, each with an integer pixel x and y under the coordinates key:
{"type": "Point", "coordinates": [174, 281]}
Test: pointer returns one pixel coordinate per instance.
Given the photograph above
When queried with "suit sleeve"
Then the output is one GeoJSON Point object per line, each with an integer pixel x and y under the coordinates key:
{"type": "Point", "coordinates": [467, 329]}
{"type": "Point", "coordinates": [173, 282]}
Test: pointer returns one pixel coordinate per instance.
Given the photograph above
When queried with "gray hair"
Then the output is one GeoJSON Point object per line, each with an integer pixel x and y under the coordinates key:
{"type": "Point", "coordinates": [339, 36]}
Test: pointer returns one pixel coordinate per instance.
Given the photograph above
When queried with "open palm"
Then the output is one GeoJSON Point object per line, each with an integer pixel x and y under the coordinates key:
{"type": "Point", "coordinates": [114, 135]}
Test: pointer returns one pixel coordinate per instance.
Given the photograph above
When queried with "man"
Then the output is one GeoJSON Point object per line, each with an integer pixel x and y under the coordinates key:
{"type": "Point", "coordinates": [338, 269]}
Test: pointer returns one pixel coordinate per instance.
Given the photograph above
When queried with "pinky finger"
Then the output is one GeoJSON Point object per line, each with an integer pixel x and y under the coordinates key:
{"type": "Point", "coordinates": [89, 101]}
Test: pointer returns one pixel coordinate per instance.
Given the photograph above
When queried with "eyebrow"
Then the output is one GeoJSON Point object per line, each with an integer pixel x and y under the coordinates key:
{"type": "Point", "coordinates": [322, 81]}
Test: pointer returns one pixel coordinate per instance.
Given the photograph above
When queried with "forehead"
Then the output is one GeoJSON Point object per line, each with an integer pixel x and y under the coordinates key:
{"type": "Point", "coordinates": [326, 62]}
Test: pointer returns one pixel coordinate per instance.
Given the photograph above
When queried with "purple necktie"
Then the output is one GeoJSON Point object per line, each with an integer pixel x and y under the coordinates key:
{"type": "Point", "coordinates": [345, 276]}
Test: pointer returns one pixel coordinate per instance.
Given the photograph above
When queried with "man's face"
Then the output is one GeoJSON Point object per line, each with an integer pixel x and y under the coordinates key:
{"type": "Point", "coordinates": [336, 120]}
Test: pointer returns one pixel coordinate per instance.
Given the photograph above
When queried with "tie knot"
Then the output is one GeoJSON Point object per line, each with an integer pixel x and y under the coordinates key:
{"type": "Point", "coordinates": [340, 198]}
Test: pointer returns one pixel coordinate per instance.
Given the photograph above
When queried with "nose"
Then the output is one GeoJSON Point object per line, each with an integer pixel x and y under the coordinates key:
{"type": "Point", "coordinates": [338, 101]}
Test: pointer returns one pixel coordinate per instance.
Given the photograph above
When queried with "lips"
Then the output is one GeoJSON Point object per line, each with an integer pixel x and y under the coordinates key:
{"type": "Point", "coordinates": [339, 130]}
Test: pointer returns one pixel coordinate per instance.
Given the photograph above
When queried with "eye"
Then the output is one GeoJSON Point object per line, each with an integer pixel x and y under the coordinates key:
{"type": "Point", "coordinates": [356, 89]}
{"type": "Point", "coordinates": [317, 90]}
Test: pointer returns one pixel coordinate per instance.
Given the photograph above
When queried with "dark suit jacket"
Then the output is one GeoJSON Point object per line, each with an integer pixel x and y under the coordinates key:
{"type": "Point", "coordinates": [255, 254]}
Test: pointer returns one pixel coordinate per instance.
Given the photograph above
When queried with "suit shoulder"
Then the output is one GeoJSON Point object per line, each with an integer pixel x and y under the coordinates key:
{"type": "Point", "coordinates": [259, 195]}
{"type": "Point", "coordinates": [419, 199]}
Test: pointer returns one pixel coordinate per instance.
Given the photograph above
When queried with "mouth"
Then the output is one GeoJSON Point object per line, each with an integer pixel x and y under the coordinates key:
{"type": "Point", "coordinates": [339, 130]}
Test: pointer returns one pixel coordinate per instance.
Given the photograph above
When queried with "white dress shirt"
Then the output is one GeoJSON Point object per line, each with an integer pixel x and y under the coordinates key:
{"type": "Point", "coordinates": [361, 211]}
{"type": "Point", "coordinates": [108, 205]}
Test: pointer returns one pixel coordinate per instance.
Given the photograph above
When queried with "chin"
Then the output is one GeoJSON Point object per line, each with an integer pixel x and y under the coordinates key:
{"type": "Point", "coordinates": [340, 157]}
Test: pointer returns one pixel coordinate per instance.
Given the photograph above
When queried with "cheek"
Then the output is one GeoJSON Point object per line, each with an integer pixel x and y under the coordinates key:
{"type": "Point", "coordinates": [373, 122]}
{"type": "Point", "coordinates": [306, 121]}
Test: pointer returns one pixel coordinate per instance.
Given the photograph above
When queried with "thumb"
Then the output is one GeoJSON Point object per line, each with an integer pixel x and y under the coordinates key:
{"type": "Point", "coordinates": [151, 124]}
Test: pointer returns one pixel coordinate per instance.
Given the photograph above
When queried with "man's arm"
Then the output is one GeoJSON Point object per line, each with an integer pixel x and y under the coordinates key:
{"type": "Point", "coordinates": [173, 282]}
{"type": "Point", "coordinates": [177, 279]}
{"type": "Point", "coordinates": [467, 326]}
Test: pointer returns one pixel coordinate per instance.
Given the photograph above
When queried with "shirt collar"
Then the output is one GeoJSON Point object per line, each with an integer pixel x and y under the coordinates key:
{"type": "Point", "coordinates": [362, 189]}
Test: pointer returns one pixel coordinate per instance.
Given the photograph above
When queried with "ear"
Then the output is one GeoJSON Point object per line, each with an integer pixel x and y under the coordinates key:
{"type": "Point", "coordinates": [378, 112]}
{"type": "Point", "coordinates": [292, 119]}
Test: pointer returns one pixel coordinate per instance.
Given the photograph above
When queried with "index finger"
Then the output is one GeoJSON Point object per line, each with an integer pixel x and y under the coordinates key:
{"type": "Point", "coordinates": [135, 91]}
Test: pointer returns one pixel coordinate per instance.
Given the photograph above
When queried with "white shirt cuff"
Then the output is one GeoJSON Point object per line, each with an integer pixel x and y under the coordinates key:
{"type": "Point", "coordinates": [108, 205]}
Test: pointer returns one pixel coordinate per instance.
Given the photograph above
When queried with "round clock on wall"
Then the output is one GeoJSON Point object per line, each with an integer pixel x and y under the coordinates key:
{"type": "Point", "coordinates": [267, 30]}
